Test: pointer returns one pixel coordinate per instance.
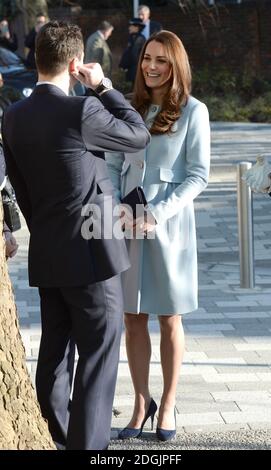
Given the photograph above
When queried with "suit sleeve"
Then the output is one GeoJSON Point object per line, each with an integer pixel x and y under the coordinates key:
{"type": "Point", "coordinates": [17, 180]}
{"type": "Point", "coordinates": [197, 166]}
{"type": "Point", "coordinates": [112, 124]}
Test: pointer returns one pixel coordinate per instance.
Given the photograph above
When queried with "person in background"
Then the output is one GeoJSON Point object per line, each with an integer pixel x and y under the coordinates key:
{"type": "Point", "coordinates": [7, 40]}
{"type": "Point", "coordinates": [151, 26]}
{"type": "Point", "coordinates": [97, 49]}
{"type": "Point", "coordinates": [10, 240]}
{"type": "Point", "coordinates": [258, 177]}
{"type": "Point", "coordinates": [130, 57]}
{"type": "Point", "coordinates": [11, 243]}
{"type": "Point", "coordinates": [173, 170]}
{"type": "Point", "coordinates": [31, 39]}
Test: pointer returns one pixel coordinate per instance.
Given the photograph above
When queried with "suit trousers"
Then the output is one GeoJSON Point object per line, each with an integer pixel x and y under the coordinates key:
{"type": "Point", "coordinates": [91, 318]}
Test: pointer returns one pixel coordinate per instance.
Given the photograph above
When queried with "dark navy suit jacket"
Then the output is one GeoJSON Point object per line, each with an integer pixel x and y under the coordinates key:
{"type": "Point", "coordinates": [155, 27]}
{"type": "Point", "coordinates": [50, 141]}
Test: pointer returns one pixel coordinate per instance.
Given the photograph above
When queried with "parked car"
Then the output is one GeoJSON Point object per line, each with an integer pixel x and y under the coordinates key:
{"type": "Point", "coordinates": [3, 105]}
{"type": "Point", "coordinates": [3, 101]}
{"type": "Point", "coordinates": [18, 81]}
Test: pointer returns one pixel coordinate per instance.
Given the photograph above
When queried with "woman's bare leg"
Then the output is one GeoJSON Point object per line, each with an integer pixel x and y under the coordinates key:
{"type": "Point", "coordinates": [171, 350]}
{"type": "Point", "coordinates": [138, 346]}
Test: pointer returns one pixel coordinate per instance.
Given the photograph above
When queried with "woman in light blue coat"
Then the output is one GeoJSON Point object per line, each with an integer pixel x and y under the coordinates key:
{"type": "Point", "coordinates": [173, 171]}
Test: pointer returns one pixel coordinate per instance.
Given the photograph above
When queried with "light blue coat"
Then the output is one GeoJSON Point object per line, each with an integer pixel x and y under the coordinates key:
{"type": "Point", "coordinates": [172, 170]}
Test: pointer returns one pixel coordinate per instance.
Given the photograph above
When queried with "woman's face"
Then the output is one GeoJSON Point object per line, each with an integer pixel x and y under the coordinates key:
{"type": "Point", "coordinates": [155, 66]}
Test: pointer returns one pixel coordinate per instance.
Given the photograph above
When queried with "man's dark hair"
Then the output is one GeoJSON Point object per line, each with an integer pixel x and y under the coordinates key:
{"type": "Point", "coordinates": [105, 26]}
{"type": "Point", "coordinates": [57, 43]}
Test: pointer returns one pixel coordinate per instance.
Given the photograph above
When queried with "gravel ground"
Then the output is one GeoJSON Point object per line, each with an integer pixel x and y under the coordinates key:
{"type": "Point", "coordinates": [241, 440]}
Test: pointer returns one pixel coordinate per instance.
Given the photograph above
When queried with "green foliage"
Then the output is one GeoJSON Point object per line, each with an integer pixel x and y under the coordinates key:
{"type": "Point", "coordinates": [228, 108]}
{"type": "Point", "coordinates": [214, 80]}
{"type": "Point", "coordinates": [8, 8]}
{"type": "Point", "coordinates": [90, 4]}
{"type": "Point", "coordinates": [260, 108]}
{"type": "Point", "coordinates": [120, 83]}
{"type": "Point", "coordinates": [233, 97]}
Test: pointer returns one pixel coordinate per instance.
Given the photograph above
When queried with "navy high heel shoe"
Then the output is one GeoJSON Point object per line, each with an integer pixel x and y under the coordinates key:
{"type": "Point", "coordinates": [128, 433]}
{"type": "Point", "coordinates": [166, 434]}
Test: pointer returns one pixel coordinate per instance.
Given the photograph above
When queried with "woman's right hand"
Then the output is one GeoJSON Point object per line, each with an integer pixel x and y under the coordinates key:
{"type": "Point", "coordinates": [126, 217]}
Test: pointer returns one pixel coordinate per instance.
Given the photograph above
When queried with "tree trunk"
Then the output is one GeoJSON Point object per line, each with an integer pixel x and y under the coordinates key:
{"type": "Point", "coordinates": [21, 424]}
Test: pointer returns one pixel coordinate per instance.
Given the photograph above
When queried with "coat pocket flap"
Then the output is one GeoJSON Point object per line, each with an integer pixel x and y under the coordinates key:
{"type": "Point", "coordinates": [125, 168]}
{"type": "Point", "coordinates": [105, 186]}
{"type": "Point", "coordinates": [171, 176]}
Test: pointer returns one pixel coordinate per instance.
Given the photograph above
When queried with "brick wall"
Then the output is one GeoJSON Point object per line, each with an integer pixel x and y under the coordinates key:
{"type": "Point", "coordinates": [236, 35]}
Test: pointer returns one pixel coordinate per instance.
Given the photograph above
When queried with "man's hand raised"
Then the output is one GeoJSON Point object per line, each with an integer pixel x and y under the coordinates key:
{"type": "Point", "coordinates": [89, 75]}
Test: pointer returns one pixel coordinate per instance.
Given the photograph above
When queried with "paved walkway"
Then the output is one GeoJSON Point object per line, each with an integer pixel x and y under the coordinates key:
{"type": "Point", "coordinates": [225, 385]}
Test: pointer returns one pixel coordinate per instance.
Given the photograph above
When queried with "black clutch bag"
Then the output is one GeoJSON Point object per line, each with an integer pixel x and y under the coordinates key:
{"type": "Point", "coordinates": [11, 212]}
{"type": "Point", "coordinates": [135, 198]}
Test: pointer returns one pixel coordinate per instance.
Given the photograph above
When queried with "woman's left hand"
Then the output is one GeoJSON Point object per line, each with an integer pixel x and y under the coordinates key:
{"type": "Point", "coordinates": [145, 224]}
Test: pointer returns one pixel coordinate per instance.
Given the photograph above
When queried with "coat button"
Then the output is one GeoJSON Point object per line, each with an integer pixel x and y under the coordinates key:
{"type": "Point", "coordinates": [141, 164]}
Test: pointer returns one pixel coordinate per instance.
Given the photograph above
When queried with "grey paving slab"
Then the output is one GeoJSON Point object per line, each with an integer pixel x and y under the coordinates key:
{"type": "Point", "coordinates": [244, 386]}
{"type": "Point", "coordinates": [237, 369]}
{"type": "Point", "coordinates": [217, 428]}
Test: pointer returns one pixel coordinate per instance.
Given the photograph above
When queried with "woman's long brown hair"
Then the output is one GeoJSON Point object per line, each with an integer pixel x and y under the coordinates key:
{"type": "Point", "coordinates": [179, 83]}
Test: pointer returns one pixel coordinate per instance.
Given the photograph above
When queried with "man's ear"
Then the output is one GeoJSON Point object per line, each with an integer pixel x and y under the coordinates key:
{"type": "Point", "coordinates": [72, 66]}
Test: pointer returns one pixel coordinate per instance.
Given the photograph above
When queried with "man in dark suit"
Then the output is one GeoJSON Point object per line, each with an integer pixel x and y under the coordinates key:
{"type": "Point", "coordinates": [31, 39]}
{"type": "Point", "coordinates": [54, 147]}
{"type": "Point", "coordinates": [151, 26]}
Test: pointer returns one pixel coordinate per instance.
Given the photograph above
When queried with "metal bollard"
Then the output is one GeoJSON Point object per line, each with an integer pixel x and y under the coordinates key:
{"type": "Point", "coordinates": [135, 8]}
{"type": "Point", "coordinates": [245, 228]}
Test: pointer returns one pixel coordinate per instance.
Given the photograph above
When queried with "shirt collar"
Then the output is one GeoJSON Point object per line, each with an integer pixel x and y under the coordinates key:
{"type": "Point", "coordinates": [51, 83]}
